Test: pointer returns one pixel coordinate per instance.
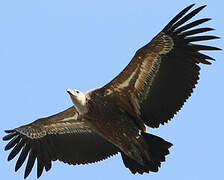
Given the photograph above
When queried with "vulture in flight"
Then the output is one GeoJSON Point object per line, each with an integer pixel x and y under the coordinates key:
{"type": "Point", "coordinates": [112, 119]}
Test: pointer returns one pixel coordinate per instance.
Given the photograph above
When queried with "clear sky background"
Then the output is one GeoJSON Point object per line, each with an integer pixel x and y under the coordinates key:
{"type": "Point", "coordinates": [48, 46]}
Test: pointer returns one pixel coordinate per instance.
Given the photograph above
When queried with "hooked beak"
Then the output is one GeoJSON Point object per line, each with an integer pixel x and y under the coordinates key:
{"type": "Point", "coordinates": [69, 91]}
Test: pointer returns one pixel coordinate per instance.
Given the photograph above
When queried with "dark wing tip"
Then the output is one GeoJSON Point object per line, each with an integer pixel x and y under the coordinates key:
{"type": "Point", "coordinates": [191, 5]}
{"type": "Point", "coordinates": [22, 156]}
{"type": "Point", "coordinates": [178, 20]}
{"type": "Point", "coordinates": [200, 38]}
{"type": "Point", "coordinates": [177, 17]}
{"type": "Point", "coordinates": [16, 149]}
{"type": "Point", "coordinates": [30, 162]}
{"type": "Point", "coordinates": [202, 7]}
{"type": "Point", "coordinates": [197, 10]}
{"type": "Point", "coordinates": [188, 8]}
{"type": "Point", "coordinates": [194, 31]}
{"type": "Point", "coordinates": [186, 18]}
{"type": "Point", "coordinates": [184, 37]}
{"type": "Point", "coordinates": [20, 145]}
{"type": "Point", "coordinates": [10, 131]}
{"type": "Point", "coordinates": [9, 136]}
{"type": "Point", "coordinates": [198, 47]}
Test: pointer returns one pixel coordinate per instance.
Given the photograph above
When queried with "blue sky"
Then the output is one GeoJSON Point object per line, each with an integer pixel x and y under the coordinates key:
{"type": "Point", "coordinates": [48, 46]}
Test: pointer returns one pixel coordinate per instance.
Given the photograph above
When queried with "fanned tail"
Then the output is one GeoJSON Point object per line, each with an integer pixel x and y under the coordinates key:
{"type": "Point", "coordinates": [158, 148]}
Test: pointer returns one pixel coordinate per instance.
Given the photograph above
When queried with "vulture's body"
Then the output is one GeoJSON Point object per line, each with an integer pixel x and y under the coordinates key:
{"type": "Point", "coordinates": [149, 91]}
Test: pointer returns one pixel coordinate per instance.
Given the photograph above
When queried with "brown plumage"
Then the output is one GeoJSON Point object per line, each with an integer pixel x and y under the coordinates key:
{"type": "Point", "coordinates": [149, 91]}
{"type": "Point", "coordinates": [58, 137]}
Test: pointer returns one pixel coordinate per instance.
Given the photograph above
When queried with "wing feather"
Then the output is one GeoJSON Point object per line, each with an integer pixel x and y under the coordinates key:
{"type": "Point", "coordinates": [163, 73]}
{"type": "Point", "coordinates": [191, 25]}
{"type": "Point", "coordinates": [179, 72]}
{"type": "Point", "coordinates": [31, 160]}
{"type": "Point", "coordinates": [196, 31]}
{"type": "Point", "coordinates": [22, 156]}
{"type": "Point", "coordinates": [184, 19]}
{"type": "Point", "coordinates": [58, 137]}
{"type": "Point", "coordinates": [12, 143]}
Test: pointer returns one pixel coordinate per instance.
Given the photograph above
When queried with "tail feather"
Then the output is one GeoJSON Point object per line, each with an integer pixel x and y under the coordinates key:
{"type": "Point", "coordinates": [158, 148]}
{"type": "Point", "coordinates": [133, 165]}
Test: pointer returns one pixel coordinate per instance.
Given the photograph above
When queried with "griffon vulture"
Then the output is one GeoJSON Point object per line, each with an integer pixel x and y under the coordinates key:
{"type": "Point", "coordinates": [112, 119]}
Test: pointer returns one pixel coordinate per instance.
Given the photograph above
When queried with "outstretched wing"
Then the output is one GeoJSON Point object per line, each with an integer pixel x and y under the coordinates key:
{"type": "Point", "coordinates": [58, 137]}
{"type": "Point", "coordinates": [163, 73]}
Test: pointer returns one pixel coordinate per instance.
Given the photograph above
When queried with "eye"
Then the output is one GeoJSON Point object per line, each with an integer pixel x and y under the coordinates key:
{"type": "Point", "coordinates": [77, 91]}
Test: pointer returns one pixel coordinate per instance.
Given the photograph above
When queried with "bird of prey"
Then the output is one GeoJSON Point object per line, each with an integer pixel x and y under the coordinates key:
{"type": "Point", "coordinates": [112, 119]}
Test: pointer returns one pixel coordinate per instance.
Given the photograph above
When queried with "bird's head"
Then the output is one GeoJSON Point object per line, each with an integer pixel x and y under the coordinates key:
{"type": "Point", "coordinates": [79, 100]}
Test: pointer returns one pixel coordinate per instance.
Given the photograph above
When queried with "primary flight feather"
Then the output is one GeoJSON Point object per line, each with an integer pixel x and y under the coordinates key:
{"type": "Point", "coordinates": [110, 120]}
